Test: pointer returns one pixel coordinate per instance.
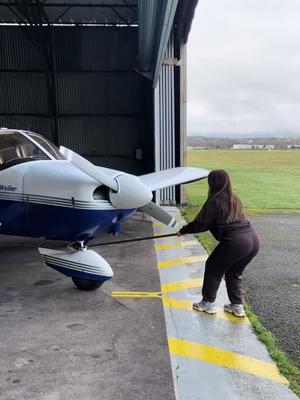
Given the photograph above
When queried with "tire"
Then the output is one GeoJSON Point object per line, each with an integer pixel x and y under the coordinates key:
{"type": "Point", "coordinates": [86, 284]}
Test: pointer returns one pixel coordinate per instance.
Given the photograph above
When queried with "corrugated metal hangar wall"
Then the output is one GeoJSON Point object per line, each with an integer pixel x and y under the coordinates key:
{"type": "Point", "coordinates": [77, 86]}
{"type": "Point", "coordinates": [105, 78]}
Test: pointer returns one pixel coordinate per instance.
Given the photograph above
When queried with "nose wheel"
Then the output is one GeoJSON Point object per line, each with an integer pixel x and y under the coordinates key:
{"type": "Point", "coordinates": [86, 284]}
{"type": "Point", "coordinates": [87, 269]}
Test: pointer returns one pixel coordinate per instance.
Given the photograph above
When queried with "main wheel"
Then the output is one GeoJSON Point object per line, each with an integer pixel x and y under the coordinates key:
{"type": "Point", "coordinates": [86, 284]}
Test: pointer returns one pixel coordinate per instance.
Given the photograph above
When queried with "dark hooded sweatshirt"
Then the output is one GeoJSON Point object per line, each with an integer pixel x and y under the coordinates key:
{"type": "Point", "coordinates": [212, 217]}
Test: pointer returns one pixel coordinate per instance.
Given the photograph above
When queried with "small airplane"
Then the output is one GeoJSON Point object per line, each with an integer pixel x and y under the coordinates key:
{"type": "Point", "coordinates": [55, 193]}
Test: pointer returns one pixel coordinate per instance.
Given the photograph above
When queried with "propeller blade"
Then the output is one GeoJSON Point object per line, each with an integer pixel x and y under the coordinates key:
{"type": "Point", "coordinates": [159, 213]}
{"type": "Point", "coordinates": [88, 168]}
{"type": "Point", "coordinates": [127, 191]}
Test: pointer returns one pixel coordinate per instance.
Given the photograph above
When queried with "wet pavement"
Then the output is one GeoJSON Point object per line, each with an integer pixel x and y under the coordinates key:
{"type": "Point", "coordinates": [58, 343]}
{"type": "Point", "coordinates": [272, 280]}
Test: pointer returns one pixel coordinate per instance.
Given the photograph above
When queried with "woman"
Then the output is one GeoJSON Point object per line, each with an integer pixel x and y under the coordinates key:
{"type": "Point", "coordinates": [222, 214]}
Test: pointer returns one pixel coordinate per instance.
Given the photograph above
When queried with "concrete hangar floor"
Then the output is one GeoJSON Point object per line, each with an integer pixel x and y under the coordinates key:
{"type": "Point", "coordinates": [135, 338]}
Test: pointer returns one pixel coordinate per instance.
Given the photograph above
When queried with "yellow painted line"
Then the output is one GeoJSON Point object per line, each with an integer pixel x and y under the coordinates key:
{"type": "Point", "coordinates": [169, 287]}
{"type": "Point", "coordinates": [179, 304]}
{"type": "Point", "coordinates": [163, 232]}
{"type": "Point", "coordinates": [160, 225]}
{"type": "Point", "coordinates": [170, 246]}
{"type": "Point", "coordinates": [181, 261]}
{"type": "Point", "coordinates": [187, 305]}
{"type": "Point", "coordinates": [176, 286]}
{"type": "Point", "coordinates": [137, 294]}
{"type": "Point", "coordinates": [224, 358]}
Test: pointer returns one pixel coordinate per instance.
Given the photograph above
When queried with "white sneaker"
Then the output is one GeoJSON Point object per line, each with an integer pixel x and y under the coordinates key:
{"type": "Point", "coordinates": [205, 306]}
{"type": "Point", "coordinates": [235, 309]}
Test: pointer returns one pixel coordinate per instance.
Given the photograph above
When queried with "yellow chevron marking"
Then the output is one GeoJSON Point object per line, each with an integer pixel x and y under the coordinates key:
{"type": "Point", "coordinates": [174, 245]}
{"type": "Point", "coordinates": [187, 305]}
{"type": "Point", "coordinates": [181, 261]}
{"type": "Point", "coordinates": [181, 285]}
{"type": "Point", "coordinates": [137, 294]}
{"type": "Point", "coordinates": [224, 358]}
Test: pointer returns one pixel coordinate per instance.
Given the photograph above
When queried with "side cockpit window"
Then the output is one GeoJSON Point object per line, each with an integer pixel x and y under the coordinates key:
{"type": "Point", "coordinates": [16, 148]}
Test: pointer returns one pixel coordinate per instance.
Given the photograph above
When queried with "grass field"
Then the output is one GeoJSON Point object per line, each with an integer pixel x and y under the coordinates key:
{"type": "Point", "coordinates": [264, 180]}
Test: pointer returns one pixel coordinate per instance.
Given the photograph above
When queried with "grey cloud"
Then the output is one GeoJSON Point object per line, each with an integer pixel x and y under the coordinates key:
{"type": "Point", "coordinates": [244, 68]}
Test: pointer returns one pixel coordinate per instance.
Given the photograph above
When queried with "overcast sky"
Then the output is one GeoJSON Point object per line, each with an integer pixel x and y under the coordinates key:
{"type": "Point", "coordinates": [244, 68]}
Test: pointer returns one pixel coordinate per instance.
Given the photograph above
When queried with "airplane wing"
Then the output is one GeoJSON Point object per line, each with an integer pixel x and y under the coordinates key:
{"type": "Point", "coordinates": [173, 176]}
{"type": "Point", "coordinates": [165, 178]}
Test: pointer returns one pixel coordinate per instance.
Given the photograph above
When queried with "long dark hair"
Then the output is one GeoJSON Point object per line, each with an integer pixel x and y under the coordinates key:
{"type": "Point", "coordinates": [229, 205]}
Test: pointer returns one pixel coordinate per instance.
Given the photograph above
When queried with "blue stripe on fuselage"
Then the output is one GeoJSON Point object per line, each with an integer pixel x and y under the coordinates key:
{"type": "Point", "coordinates": [79, 274]}
{"type": "Point", "coordinates": [61, 223]}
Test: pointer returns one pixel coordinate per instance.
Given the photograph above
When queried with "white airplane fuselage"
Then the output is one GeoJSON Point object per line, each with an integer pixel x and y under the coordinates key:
{"type": "Point", "coordinates": [58, 194]}
{"type": "Point", "coordinates": [55, 200]}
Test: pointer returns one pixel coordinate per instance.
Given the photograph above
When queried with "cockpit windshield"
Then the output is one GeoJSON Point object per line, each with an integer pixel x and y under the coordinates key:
{"type": "Point", "coordinates": [16, 148]}
{"type": "Point", "coordinates": [47, 145]}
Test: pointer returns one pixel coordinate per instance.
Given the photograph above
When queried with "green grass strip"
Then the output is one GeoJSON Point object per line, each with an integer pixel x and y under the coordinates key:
{"type": "Point", "coordinates": [284, 364]}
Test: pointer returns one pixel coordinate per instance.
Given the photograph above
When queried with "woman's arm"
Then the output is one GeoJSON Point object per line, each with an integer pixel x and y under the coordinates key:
{"type": "Point", "coordinates": [202, 222]}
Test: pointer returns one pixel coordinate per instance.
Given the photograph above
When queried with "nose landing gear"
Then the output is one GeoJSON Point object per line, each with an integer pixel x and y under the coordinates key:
{"type": "Point", "coordinates": [86, 284]}
{"type": "Point", "coordinates": [87, 268]}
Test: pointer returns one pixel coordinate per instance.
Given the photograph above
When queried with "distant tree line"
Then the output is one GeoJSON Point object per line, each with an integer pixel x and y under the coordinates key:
{"type": "Point", "coordinates": [203, 142]}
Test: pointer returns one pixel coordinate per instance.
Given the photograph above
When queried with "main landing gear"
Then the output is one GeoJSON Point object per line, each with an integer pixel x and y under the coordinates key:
{"type": "Point", "coordinates": [87, 268]}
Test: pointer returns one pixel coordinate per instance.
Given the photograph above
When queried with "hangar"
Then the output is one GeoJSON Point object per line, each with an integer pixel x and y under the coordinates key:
{"type": "Point", "coordinates": [106, 78]}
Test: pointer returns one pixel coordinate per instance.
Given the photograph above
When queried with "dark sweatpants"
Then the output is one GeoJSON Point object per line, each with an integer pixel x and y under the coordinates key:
{"type": "Point", "coordinates": [230, 257]}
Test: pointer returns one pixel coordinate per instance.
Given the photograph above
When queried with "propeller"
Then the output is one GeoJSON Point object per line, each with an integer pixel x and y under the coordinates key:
{"type": "Point", "coordinates": [126, 191]}
{"type": "Point", "coordinates": [87, 167]}
{"type": "Point", "coordinates": [159, 213]}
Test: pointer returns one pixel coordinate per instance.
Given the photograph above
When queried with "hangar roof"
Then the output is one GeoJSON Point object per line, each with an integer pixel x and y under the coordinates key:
{"type": "Point", "coordinates": [84, 12]}
{"type": "Point", "coordinates": [154, 19]}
